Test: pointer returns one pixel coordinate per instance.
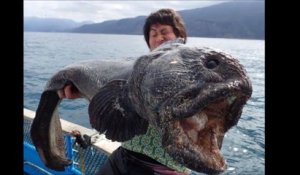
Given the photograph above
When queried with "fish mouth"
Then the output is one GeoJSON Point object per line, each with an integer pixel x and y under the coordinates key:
{"type": "Point", "coordinates": [195, 140]}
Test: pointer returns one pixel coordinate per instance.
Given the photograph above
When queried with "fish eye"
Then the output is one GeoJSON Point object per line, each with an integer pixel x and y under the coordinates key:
{"type": "Point", "coordinates": [212, 63]}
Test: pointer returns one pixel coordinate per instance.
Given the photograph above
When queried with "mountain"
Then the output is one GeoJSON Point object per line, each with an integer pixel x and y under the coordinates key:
{"type": "Point", "coordinates": [35, 24]}
{"type": "Point", "coordinates": [225, 20]}
{"type": "Point", "coordinates": [122, 26]}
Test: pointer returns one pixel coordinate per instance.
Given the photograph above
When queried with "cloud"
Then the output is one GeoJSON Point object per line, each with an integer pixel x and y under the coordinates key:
{"type": "Point", "coordinates": [99, 11]}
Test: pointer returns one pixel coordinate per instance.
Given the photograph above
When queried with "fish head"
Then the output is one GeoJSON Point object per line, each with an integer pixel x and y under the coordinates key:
{"type": "Point", "coordinates": [193, 96]}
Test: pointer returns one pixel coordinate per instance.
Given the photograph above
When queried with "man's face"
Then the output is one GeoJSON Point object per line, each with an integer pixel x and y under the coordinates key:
{"type": "Point", "coordinates": [160, 33]}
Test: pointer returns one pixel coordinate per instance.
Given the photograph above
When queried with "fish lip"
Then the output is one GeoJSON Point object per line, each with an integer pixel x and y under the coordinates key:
{"type": "Point", "coordinates": [182, 147]}
{"type": "Point", "coordinates": [190, 101]}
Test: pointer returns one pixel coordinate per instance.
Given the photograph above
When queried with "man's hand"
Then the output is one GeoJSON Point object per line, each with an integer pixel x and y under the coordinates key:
{"type": "Point", "coordinates": [69, 91]}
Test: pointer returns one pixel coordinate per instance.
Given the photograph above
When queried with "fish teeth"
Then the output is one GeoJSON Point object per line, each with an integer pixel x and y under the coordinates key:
{"type": "Point", "coordinates": [201, 120]}
{"type": "Point", "coordinates": [198, 122]}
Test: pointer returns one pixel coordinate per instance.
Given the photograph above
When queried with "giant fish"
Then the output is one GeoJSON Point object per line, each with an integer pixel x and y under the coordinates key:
{"type": "Point", "coordinates": [191, 95]}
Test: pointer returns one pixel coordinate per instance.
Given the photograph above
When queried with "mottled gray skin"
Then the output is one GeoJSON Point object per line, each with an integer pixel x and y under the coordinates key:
{"type": "Point", "coordinates": [89, 76]}
{"type": "Point", "coordinates": [191, 95]}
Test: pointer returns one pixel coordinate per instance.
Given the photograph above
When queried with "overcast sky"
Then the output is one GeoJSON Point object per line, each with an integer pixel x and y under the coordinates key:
{"type": "Point", "coordinates": [98, 11]}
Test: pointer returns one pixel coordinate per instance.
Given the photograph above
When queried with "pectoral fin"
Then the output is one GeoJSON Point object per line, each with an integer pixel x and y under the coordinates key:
{"type": "Point", "coordinates": [110, 113]}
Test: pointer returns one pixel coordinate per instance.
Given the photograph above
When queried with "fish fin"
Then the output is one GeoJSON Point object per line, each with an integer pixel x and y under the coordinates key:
{"type": "Point", "coordinates": [46, 133]}
{"type": "Point", "coordinates": [110, 113]}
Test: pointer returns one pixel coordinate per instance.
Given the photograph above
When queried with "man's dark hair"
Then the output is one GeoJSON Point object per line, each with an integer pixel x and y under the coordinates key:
{"type": "Point", "coordinates": [165, 17]}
